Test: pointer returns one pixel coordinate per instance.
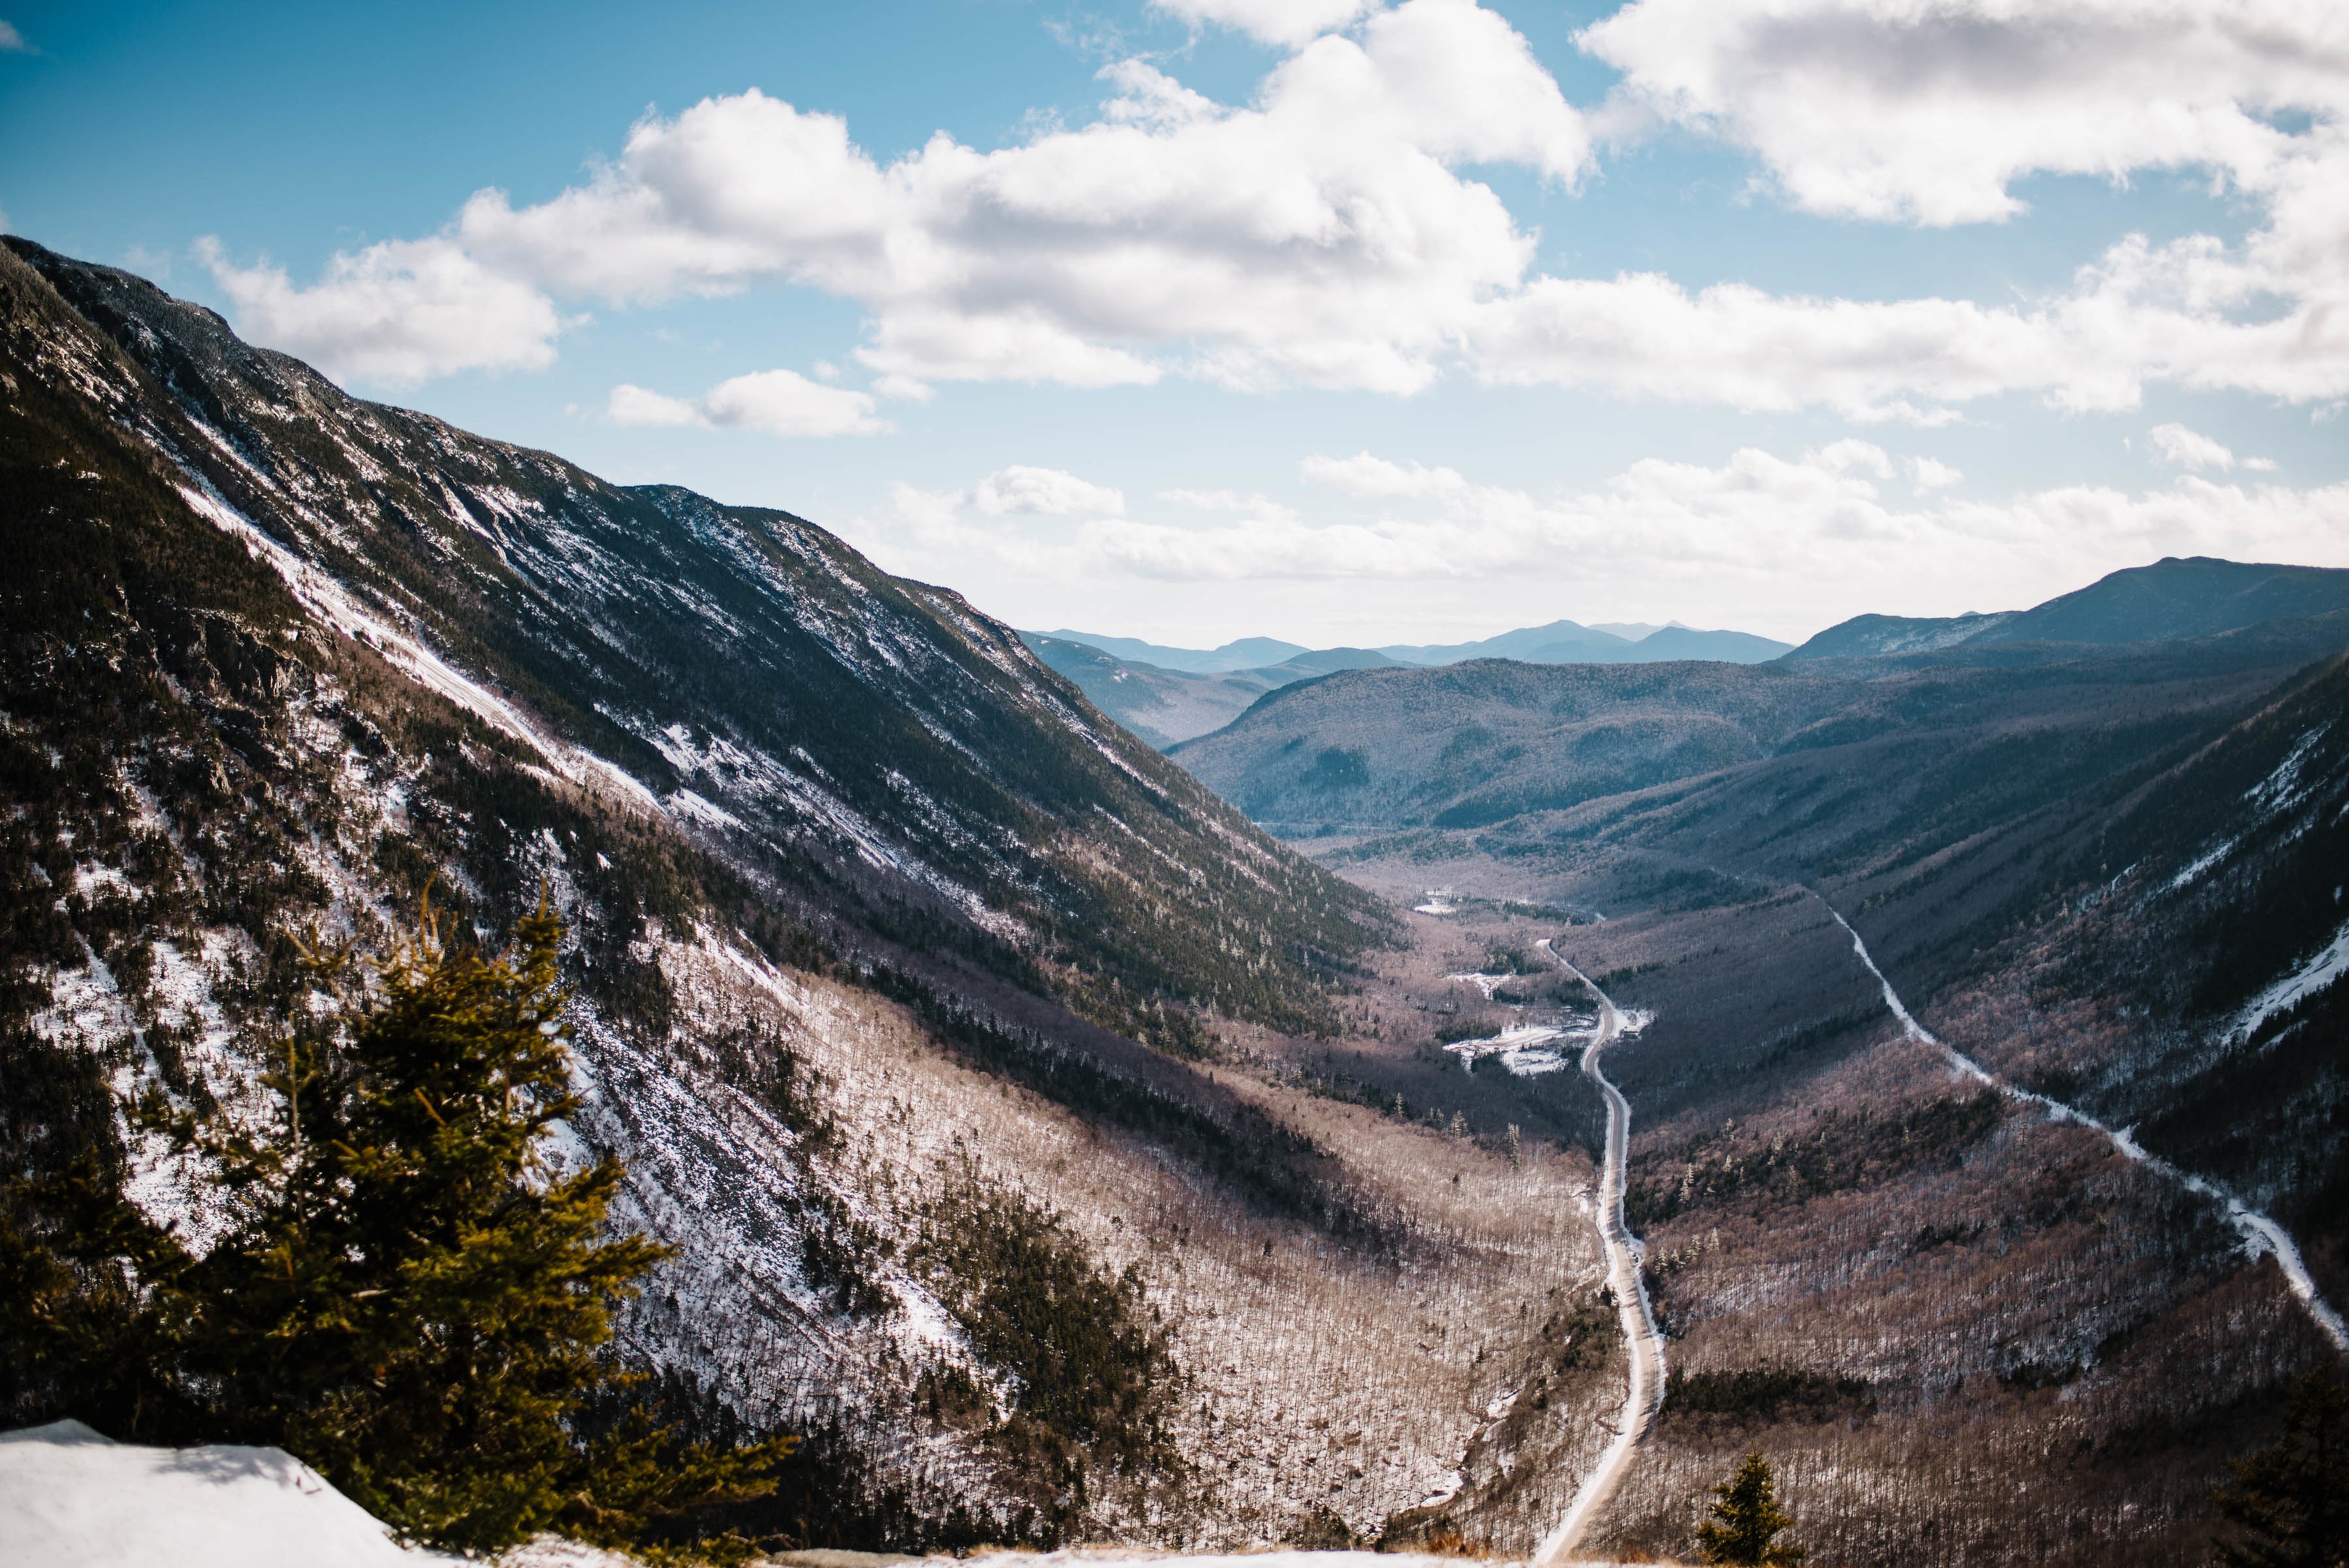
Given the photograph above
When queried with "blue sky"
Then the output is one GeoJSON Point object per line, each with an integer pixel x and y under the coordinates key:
{"type": "Point", "coordinates": [1313, 318]}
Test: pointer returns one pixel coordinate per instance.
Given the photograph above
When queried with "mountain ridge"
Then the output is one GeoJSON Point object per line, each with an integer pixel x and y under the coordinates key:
{"type": "Point", "coordinates": [2165, 599]}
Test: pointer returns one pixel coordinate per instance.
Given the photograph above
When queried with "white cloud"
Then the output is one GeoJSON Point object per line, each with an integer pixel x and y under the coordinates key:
{"type": "Point", "coordinates": [1324, 233]}
{"type": "Point", "coordinates": [1044, 492]}
{"type": "Point", "coordinates": [2189, 450]}
{"type": "Point", "coordinates": [395, 313]}
{"type": "Point", "coordinates": [1290, 22]}
{"type": "Point", "coordinates": [1319, 234]}
{"type": "Point", "coordinates": [1363, 474]}
{"type": "Point", "coordinates": [1929, 112]}
{"type": "Point", "coordinates": [633, 405]}
{"type": "Point", "coordinates": [1782, 545]}
{"type": "Point", "coordinates": [1252, 504]}
{"type": "Point", "coordinates": [774, 402]}
{"type": "Point", "coordinates": [12, 42]}
{"type": "Point", "coordinates": [1930, 474]}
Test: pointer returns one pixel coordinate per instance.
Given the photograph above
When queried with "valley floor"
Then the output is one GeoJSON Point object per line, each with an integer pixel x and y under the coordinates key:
{"type": "Point", "coordinates": [1964, 1327]}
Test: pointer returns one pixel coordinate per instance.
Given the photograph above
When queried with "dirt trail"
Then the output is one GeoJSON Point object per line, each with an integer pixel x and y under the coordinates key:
{"type": "Point", "coordinates": [1639, 1320]}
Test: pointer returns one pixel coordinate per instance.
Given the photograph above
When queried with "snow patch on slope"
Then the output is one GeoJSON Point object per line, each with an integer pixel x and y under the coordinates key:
{"type": "Point", "coordinates": [2331, 962]}
{"type": "Point", "coordinates": [332, 603]}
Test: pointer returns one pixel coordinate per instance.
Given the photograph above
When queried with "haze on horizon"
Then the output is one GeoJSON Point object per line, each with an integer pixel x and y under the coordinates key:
{"type": "Point", "coordinates": [1326, 320]}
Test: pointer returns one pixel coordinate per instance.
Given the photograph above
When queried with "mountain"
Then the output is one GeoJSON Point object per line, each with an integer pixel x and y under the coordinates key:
{"type": "Point", "coordinates": [1161, 707]}
{"type": "Point", "coordinates": [1977, 1010]}
{"type": "Point", "coordinates": [1567, 642]}
{"type": "Point", "coordinates": [1246, 654]}
{"type": "Point", "coordinates": [1478, 743]}
{"type": "Point", "coordinates": [1870, 636]}
{"type": "Point", "coordinates": [1165, 706]}
{"type": "Point", "coordinates": [1181, 694]}
{"type": "Point", "coordinates": [2173, 598]}
{"type": "Point", "coordinates": [1671, 643]}
{"type": "Point", "coordinates": [1325, 661]}
{"type": "Point", "coordinates": [1558, 642]}
{"type": "Point", "coordinates": [909, 990]}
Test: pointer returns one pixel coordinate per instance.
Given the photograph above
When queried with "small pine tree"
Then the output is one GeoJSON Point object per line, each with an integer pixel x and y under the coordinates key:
{"type": "Point", "coordinates": [2290, 1503]}
{"type": "Point", "coordinates": [1747, 1519]}
{"type": "Point", "coordinates": [406, 1294]}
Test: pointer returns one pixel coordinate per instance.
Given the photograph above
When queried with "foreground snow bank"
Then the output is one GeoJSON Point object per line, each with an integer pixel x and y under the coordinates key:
{"type": "Point", "coordinates": [72, 1499]}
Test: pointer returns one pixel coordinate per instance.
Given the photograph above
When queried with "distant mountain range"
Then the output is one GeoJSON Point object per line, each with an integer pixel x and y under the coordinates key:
{"type": "Point", "coordinates": [1169, 695]}
{"type": "Point", "coordinates": [2173, 598]}
{"type": "Point", "coordinates": [1474, 744]}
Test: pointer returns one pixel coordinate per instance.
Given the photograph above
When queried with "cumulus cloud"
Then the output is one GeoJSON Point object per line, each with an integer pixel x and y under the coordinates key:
{"type": "Point", "coordinates": [2187, 448]}
{"type": "Point", "coordinates": [1326, 232]}
{"type": "Point", "coordinates": [1930, 474]}
{"type": "Point", "coordinates": [773, 402]}
{"type": "Point", "coordinates": [1363, 474]}
{"type": "Point", "coordinates": [1322, 234]}
{"type": "Point", "coordinates": [1043, 492]}
{"type": "Point", "coordinates": [1288, 22]}
{"type": "Point", "coordinates": [2192, 450]}
{"type": "Point", "coordinates": [1929, 113]}
{"type": "Point", "coordinates": [395, 313]}
{"type": "Point", "coordinates": [12, 42]}
{"type": "Point", "coordinates": [1770, 531]}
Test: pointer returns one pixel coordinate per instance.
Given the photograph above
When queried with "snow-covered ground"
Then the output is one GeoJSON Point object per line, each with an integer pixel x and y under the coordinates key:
{"type": "Point", "coordinates": [1524, 1049]}
{"type": "Point", "coordinates": [71, 1499]}
{"type": "Point", "coordinates": [2295, 988]}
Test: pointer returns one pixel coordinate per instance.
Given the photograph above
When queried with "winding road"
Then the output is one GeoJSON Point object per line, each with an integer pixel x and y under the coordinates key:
{"type": "Point", "coordinates": [1638, 1319]}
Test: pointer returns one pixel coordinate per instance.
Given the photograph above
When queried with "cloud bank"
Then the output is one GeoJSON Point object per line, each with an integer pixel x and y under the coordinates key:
{"type": "Point", "coordinates": [1329, 232]}
{"type": "Point", "coordinates": [1760, 540]}
{"type": "Point", "coordinates": [777, 402]}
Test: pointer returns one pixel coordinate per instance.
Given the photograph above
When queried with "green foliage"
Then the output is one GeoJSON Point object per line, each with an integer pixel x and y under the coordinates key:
{"type": "Point", "coordinates": [406, 1294]}
{"type": "Point", "coordinates": [1337, 768]}
{"type": "Point", "coordinates": [1096, 1381]}
{"type": "Point", "coordinates": [1765, 1394]}
{"type": "Point", "coordinates": [1843, 1152]}
{"type": "Point", "coordinates": [1746, 1520]}
{"type": "Point", "coordinates": [2290, 1503]}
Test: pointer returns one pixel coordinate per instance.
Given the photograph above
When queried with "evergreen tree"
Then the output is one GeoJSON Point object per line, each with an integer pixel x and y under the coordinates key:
{"type": "Point", "coordinates": [406, 1296]}
{"type": "Point", "coordinates": [2290, 1503]}
{"type": "Point", "coordinates": [1747, 1519]}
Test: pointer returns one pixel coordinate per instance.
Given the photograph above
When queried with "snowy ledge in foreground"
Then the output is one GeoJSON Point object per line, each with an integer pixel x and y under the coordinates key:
{"type": "Point", "coordinates": [70, 1498]}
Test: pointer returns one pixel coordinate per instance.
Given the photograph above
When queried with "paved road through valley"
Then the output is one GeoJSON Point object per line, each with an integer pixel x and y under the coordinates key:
{"type": "Point", "coordinates": [1623, 1251]}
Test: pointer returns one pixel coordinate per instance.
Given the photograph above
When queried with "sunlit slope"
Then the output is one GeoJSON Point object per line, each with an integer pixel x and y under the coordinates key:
{"type": "Point", "coordinates": [870, 747]}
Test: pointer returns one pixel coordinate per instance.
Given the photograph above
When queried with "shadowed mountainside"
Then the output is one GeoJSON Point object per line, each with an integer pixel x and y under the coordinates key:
{"type": "Point", "coordinates": [1478, 744]}
{"type": "Point", "coordinates": [2173, 598]}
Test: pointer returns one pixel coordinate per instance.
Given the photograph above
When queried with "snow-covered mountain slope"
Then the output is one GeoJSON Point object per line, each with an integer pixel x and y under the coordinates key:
{"type": "Point", "coordinates": [877, 926]}
{"type": "Point", "coordinates": [851, 740]}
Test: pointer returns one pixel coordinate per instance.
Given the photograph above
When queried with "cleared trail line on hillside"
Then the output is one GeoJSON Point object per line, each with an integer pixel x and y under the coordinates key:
{"type": "Point", "coordinates": [2259, 1233]}
{"type": "Point", "coordinates": [1638, 1319]}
